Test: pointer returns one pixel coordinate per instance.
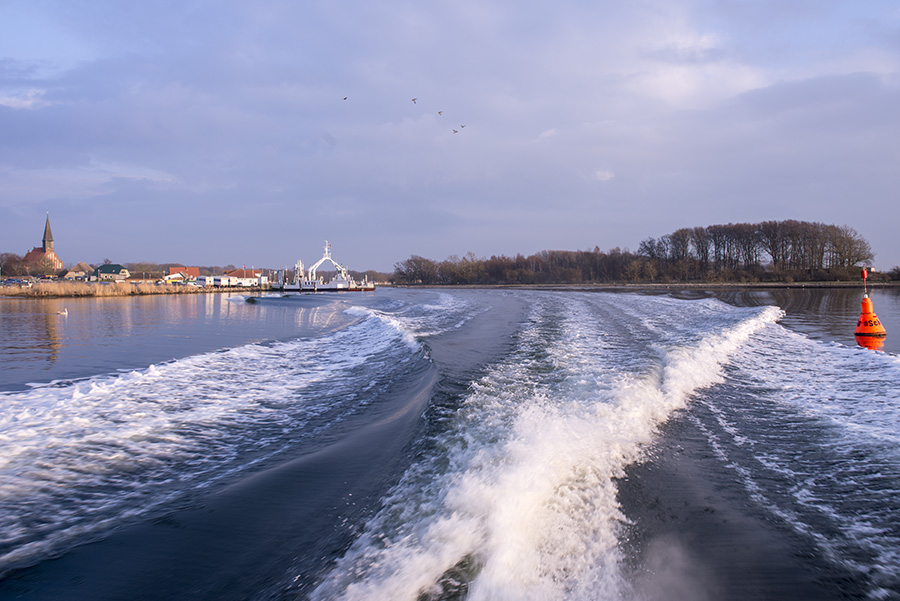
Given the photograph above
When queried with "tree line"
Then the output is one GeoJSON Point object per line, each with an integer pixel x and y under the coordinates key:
{"type": "Point", "coordinates": [764, 252]}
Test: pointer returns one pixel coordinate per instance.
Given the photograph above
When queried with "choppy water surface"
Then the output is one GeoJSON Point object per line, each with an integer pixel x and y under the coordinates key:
{"type": "Point", "coordinates": [511, 492]}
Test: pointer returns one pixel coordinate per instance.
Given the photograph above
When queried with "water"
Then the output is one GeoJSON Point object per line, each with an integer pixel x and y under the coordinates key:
{"type": "Point", "coordinates": [449, 444]}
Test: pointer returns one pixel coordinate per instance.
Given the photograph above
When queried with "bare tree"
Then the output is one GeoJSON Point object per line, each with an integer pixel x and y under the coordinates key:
{"type": "Point", "coordinates": [846, 248]}
{"type": "Point", "coordinates": [701, 243]}
{"type": "Point", "coordinates": [774, 243]}
{"type": "Point", "coordinates": [12, 264]}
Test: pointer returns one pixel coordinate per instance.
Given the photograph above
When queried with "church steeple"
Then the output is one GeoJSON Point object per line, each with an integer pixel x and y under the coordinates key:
{"type": "Point", "coordinates": [48, 235]}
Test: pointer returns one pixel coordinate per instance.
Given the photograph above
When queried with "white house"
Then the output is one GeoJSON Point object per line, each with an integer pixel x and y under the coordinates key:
{"type": "Point", "coordinates": [224, 280]}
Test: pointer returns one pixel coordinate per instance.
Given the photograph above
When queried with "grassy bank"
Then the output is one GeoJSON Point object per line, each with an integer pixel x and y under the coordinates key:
{"type": "Point", "coordinates": [78, 289]}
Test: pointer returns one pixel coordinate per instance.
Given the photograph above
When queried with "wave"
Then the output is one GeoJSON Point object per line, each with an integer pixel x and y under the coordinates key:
{"type": "Point", "coordinates": [517, 498]}
{"type": "Point", "coordinates": [78, 457]}
{"type": "Point", "coordinates": [815, 443]}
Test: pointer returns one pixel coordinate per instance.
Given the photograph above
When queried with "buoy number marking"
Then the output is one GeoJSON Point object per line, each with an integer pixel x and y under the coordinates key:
{"type": "Point", "coordinates": [868, 323]}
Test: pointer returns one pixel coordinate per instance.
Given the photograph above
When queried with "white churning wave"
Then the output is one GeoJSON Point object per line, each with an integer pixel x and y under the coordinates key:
{"type": "Point", "coordinates": [816, 441]}
{"type": "Point", "coordinates": [517, 499]}
{"type": "Point", "coordinates": [78, 457]}
{"type": "Point", "coordinates": [445, 312]}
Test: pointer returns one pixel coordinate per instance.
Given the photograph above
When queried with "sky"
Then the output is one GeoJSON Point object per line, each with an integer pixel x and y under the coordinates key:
{"type": "Point", "coordinates": [248, 133]}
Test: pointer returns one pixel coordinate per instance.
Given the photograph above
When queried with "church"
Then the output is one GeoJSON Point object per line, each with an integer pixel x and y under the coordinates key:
{"type": "Point", "coordinates": [44, 256]}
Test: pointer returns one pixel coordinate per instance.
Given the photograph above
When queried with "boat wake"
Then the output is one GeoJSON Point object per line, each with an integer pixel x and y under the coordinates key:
{"type": "Point", "coordinates": [517, 499]}
{"type": "Point", "coordinates": [78, 458]}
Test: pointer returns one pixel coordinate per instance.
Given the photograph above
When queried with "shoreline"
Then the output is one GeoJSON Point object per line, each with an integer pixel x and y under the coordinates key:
{"type": "Point", "coordinates": [620, 286]}
{"type": "Point", "coordinates": [119, 289]}
{"type": "Point", "coordinates": [44, 290]}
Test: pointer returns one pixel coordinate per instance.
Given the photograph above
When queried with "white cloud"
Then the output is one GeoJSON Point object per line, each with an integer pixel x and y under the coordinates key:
{"type": "Point", "coordinates": [27, 99]}
{"type": "Point", "coordinates": [697, 85]}
{"type": "Point", "coordinates": [602, 175]}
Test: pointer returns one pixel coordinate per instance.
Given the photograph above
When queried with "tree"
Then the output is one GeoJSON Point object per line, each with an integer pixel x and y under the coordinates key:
{"type": "Point", "coordinates": [846, 248]}
{"type": "Point", "coordinates": [701, 243]}
{"type": "Point", "coordinates": [747, 245]}
{"type": "Point", "coordinates": [774, 243]}
{"type": "Point", "coordinates": [718, 237]}
{"type": "Point", "coordinates": [680, 252]}
{"type": "Point", "coordinates": [11, 264]}
{"type": "Point", "coordinates": [416, 270]}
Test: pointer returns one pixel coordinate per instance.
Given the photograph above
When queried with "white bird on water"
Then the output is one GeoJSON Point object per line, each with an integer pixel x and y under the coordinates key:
{"type": "Point", "coordinates": [65, 312]}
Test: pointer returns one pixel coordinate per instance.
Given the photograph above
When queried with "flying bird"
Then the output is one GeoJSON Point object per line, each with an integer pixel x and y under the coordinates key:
{"type": "Point", "coordinates": [345, 98]}
{"type": "Point", "coordinates": [414, 100]}
{"type": "Point", "coordinates": [456, 132]}
{"type": "Point", "coordinates": [440, 112]}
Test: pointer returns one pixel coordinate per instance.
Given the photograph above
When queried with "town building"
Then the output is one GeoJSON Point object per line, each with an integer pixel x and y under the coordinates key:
{"type": "Point", "coordinates": [44, 257]}
{"type": "Point", "coordinates": [81, 271]}
{"type": "Point", "coordinates": [190, 273]}
{"type": "Point", "coordinates": [245, 277]}
{"type": "Point", "coordinates": [111, 272]}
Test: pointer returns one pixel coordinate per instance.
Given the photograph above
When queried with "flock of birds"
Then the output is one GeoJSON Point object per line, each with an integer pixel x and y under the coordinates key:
{"type": "Point", "coordinates": [440, 114]}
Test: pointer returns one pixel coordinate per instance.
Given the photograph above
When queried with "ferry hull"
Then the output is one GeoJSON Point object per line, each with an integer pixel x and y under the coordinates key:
{"type": "Point", "coordinates": [323, 288]}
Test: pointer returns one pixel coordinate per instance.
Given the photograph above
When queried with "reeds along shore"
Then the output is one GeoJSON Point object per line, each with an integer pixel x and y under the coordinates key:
{"type": "Point", "coordinates": [62, 289]}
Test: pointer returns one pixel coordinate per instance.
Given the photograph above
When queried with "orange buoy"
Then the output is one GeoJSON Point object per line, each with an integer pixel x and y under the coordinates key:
{"type": "Point", "coordinates": [869, 331]}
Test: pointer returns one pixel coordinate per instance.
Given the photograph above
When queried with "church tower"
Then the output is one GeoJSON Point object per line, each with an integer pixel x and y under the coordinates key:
{"type": "Point", "coordinates": [48, 235]}
{"type": "Point", "coordinates": [44, 257]}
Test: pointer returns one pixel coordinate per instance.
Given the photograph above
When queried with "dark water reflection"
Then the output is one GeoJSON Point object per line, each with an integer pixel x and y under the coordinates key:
{"type": "Point", "coordinates": [827, 314]}
{"type": "Point", "coordinates": [102, 335]}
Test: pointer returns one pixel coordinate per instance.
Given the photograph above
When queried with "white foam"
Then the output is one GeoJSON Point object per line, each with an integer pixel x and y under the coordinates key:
{"type": "Point", "coordinates": [520, 496]}
{"type": "Point", "coordinates": [76, 457]}
{"type": "Point", "coordinates": [391, 321]}
{"type": "Point", "coordinates": [829, 462]}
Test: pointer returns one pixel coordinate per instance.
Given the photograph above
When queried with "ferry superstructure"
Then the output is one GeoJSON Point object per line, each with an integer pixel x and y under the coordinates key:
{"type": "Point", "coordinates": [308, 281]}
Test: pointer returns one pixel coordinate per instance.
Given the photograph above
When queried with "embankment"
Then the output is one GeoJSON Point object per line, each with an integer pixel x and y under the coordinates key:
{"type": "Point", "coordinates": [90, 289]}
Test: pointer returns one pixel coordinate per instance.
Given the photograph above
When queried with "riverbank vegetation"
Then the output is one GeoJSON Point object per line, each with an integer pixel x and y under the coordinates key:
{"type": "Point", "coordinates": [48, 289]}
{"type": "Point", "coordinates": [771, 251]}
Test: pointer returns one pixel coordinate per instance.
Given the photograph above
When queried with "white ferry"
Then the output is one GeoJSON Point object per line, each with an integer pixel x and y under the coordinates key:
{"type": "Point", "coordinates": [309, 282]}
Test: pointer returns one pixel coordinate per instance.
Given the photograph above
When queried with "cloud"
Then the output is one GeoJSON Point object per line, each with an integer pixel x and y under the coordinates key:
{"type": "Point", "coordinates": [602, 175]}
{"type": "Point", "coordinates": [25, 99]}
{"type": "Point", "coordinates": [692, 113]}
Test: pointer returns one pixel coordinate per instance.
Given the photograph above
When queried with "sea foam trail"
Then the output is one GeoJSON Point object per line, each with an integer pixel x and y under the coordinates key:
{"type": "Point", "coordinates": [518, 498]}
{"type": "Point", "coordinates": [814, 441]}
{"type": "Point", "coordinates": [77, 458]}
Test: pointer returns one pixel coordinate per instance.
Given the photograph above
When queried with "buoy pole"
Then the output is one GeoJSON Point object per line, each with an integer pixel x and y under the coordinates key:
{"type": "Point", "coordinates": [869, 333]}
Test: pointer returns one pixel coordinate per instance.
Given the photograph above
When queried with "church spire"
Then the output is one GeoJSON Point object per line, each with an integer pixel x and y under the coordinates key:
{"type": "Point", "coordinates": [48, 235]}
